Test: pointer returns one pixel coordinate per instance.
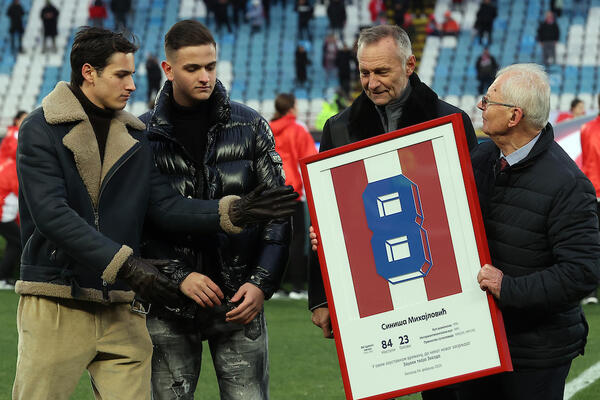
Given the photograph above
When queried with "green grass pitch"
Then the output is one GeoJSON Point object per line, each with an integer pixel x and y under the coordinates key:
{"type": "Point", "coordinates": [303, 364]}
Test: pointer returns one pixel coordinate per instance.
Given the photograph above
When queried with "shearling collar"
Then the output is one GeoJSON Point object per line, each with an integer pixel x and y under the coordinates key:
{"type": "Point", "coordinates": [61, 106]}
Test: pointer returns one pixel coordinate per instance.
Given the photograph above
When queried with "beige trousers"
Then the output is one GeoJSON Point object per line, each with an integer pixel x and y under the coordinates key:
{"type": "Point", "coordinates": [60, 338]}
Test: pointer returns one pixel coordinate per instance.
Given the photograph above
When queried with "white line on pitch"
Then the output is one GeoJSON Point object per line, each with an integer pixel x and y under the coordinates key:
{"type": "Point", "coordinates": [585, 379]}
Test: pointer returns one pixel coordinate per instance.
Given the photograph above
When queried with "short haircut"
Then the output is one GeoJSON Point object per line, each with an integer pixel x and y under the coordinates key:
{"type": "Point", "coordinates": [527, 87]}
{"type": "Point", "coordinates": [376, 33]}
{"type": "Point", "coordinates": [575, 102]}
{"type": "Point", "coordinates": [95, 46]}
{"type": "Point", "coordinates": [186, 33]}
{"type": "Point", "coordinates": [284, 102]}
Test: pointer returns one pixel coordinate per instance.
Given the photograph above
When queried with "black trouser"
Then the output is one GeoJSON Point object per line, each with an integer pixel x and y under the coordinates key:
{"type": "Point", "coordinates": [16, 42]}
{"type": "Point", "coordinates": [485, 30]}
{"type": "Point", "coordinates": [532, 384]}
{"type": "Point", "coordinates": [11, 233]}
{"type": "Point", "coordinates": [304, 31]}
{"type": "Point", "coordinates": [297, 268]}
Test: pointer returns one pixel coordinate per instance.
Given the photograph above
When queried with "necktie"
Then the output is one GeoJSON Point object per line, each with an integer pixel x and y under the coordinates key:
{"type": "Point", "coordinates": [503, 163]}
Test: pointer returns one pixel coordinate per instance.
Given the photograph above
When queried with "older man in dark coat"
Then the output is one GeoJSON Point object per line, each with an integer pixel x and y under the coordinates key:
{"type": "Point", "coordinates": [539, 212]}
{"type": "Point", "coordinates": [49, 16]}
{"type": "Point", "coordinates": [393, 97]}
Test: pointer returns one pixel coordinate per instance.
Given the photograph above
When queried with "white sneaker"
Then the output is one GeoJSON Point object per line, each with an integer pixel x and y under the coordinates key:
{"type": "Point", "coordinates": [589, 300]}
{"type": "Point", "coordinates": [4, 285]}
{"type": "Point", "coordinates": [301, 295]}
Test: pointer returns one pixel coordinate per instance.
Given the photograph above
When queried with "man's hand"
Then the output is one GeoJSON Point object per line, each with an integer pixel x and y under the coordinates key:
{"type": "Point", "coordinates": [202, 290]}
{"type": "Point", "coordinates": [314, 242]}
{"type": "Point", "coordinates": [249, 307]}
{"type": "Point", "coordinates": [490, 279]}
{"type": "Point", "coordinates": [263, 204]}
{"type": "Point", "coordinates": [143, 276]}
{"type": "Point", "coordinates": [321, 318]}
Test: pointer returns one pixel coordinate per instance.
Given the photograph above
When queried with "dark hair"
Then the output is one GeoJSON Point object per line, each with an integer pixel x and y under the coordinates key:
{"type": "Point", "coordinates": [284, 102]}
{"type": "Point", "coordinates": [187, 33]}
{"type": "Point", "coordinates": [18, 115]}
{"type": "Point", "coordinates": [575, 102]}
{"type": "Point", "coordinates": [95, 46]}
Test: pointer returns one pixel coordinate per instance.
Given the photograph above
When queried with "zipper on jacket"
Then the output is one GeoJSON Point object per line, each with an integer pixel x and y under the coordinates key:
{"type": "Point", "coordinates": [97, 213]}
{"type": "Point", "coordinates": [96, 220]}
{"type": "Point", "coordinates": [97, 225]}
{"type": "Point", "coordinates": [114, 170]}
{"type": "Point", "coordinates": [105, 290]}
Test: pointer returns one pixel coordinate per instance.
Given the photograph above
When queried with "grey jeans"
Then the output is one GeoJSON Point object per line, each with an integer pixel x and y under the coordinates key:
{"type": "Point", "coordinates": [239, 355]}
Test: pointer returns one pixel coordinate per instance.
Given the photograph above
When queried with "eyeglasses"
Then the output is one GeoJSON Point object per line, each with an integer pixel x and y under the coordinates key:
{"type": "Point", "coordinates": [485, 102]}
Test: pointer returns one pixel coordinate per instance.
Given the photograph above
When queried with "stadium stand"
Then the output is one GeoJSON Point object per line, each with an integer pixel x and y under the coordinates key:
{"type": "Point", "coordinates": [448, 64]}
{"type": "Point", "coordinates": [256, 67]}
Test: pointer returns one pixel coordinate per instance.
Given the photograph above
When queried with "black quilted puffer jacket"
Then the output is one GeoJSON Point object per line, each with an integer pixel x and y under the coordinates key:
{"type": "Point", "coordinates": [240, 153]}
{"type": "Point", "coordinates": [542, 232]}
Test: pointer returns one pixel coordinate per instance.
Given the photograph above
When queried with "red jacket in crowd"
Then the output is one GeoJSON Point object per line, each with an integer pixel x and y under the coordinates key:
{"type": "Point", "coordinates": [564, 116]}
{"type": "Point", "coordinates": [9, 184]}
{"type": "Point", "coordinates": [590, 152]}
{"type": "Point", "coordinates": [97, 11]}
{"type": "Point", "coordinates": [293, 142]}
{"type": "Point", "coordinates": [376, 8]}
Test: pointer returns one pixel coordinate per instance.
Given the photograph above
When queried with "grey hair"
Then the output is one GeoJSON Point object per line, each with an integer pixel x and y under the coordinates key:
{"type": "Point", "coordinates": [527, 87]}
{"type": "Point", "coordinates": [375, 33]}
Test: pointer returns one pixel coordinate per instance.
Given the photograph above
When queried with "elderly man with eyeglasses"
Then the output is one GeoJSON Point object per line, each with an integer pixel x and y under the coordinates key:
{"type": "Point", "coordinates": [539, 212]}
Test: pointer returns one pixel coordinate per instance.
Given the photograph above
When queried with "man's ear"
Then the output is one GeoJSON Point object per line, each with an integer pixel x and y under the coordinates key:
{"type": "Point", "coordinates": [168, 70]}
{"type": "Point", "coordinates": [89, 73]}
{"type": "Point", "coordinates": [516, 117]}
{"type": "Point", "coordinates": [411, 63]}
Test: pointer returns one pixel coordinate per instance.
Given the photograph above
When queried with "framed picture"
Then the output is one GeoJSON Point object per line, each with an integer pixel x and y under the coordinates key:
{"type": "Point", "coordinates": [401, 240]}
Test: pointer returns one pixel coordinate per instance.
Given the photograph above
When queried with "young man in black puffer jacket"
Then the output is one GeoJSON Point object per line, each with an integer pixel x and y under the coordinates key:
{"type": "Point", "coordinates": [210, 147]}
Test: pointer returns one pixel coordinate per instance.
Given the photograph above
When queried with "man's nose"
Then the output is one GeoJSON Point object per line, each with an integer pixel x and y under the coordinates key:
{"type": "Point", "coordinates": [130, 84]}
{"type": "Point", "coordinates": [480, 105]}
{"type": "Point", "coordinates": [373, 82]}
{"type": "Point", "coordinates": [203, 75]}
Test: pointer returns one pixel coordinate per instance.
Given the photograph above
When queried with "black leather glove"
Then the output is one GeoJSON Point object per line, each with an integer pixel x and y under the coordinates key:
{"type": "Point", "coordinates": [261, 205]}
{"type": "Point", "coordinates": [145, 279]}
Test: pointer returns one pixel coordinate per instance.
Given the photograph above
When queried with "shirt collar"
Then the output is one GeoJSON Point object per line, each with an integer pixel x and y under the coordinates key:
{"type": "Point", "coordinates": [521, 153]}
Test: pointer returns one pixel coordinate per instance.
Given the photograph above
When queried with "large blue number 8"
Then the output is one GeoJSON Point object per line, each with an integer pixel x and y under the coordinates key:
{"type": "Point", "coordinates": [394, 215]}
